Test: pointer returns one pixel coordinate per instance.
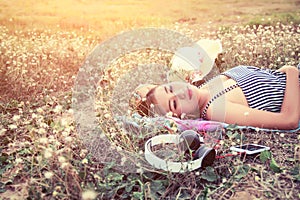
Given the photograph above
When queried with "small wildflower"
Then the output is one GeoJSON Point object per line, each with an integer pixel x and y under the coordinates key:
{"type": "Point", "coordinates": [89, 195]}
{"type": "Point", "coordinates": [68, 139]}
{"type": "Point", "coordinates": [16, 117]}
{"type": "Point", "coordinates": [2, 131]}
{"type": "Point", "coordinates": [48, 153]}
{"type": "Point", "coordinates": [43, 140]}
{"type": "Point", "coordinates": [281, 135]}
{"type": "Point", "coordinates": [18, 160]}
{"type": "Point", "coordinates": [106, 115]}
{"type": "Point", "coordinates": [40, 110]}
{"type": "Point", "coordinates": [12, 126]}
{"type": "Point", "coordinates": [64, 165]}
{"type": "Point", "coordinates": [119, 148]}
{"type": "Point", "coordinates": [257, 178]}
{"type": "Point", "coordinates": [57, 109]}
{"type": "Point", "coordinates": [123, 160]}
{"type": "Point", "coordinates": [85, 161]}
{"type": "Point", "coordinates": [83, 153]}
{"type": "Point", "coordinates": [42, 131]}
{"type": "Point", "coordinates": [61, 159]}
{"type": "Point", "coordinates": [64, 122]}
{"type": "Point", "coordinates": [169, 114]}
{"type": "Point", "coordinates": [65, 134]}
{"type": "Point", "coordinates": [34, 116]}
{"type": "Point", "coordinates": [183, 115]}
{"type": "Point", "coordinates": [139, 171]}
{"type": "Point", "coordinates": [48, 175]}
{"type": "Point", "coordinates": [54, 193]}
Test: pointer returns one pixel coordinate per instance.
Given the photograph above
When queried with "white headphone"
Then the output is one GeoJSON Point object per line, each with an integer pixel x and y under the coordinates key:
{"type": "Point", "coordinates": [207, 154]}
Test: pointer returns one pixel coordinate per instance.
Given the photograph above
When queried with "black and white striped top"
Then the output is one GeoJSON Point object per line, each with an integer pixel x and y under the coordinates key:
{"type": "Point", "coordinates": [263, 88]}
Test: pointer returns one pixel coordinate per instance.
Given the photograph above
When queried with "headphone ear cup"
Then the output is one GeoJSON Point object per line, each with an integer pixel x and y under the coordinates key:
{"type": "Point", "coordinates": [207, 154]}
{"type": "Point", "coordinates": [189, 140]}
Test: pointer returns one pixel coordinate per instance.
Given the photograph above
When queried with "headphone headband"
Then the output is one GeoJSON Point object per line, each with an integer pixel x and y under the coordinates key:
{"type": "Point", "coordinates": [170, 166]}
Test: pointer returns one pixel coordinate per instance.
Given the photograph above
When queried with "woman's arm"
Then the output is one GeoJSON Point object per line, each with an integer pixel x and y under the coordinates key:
{"type": "Point", "coordinates": [245, 116]}
{"type": "Point", "coordinates": [290, 104]}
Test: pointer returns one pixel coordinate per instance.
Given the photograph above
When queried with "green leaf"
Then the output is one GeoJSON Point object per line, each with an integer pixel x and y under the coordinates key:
{"type": "Point", "coordinates": [242, 171]}
{"type": "Point", "coordinates": [138, 195]}
{"type": "Point", "coordinates": [209, 174]}
{"type": "Point", "coordinates": [264, 156]}
{"type": "Point", "coordinates": [295, 170]}
{"type": "Point", "coordinates": [274, 166]}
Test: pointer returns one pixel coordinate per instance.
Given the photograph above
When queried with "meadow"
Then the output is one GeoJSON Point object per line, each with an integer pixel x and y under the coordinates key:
{"type": "Point", "coordinates": [43, 46]}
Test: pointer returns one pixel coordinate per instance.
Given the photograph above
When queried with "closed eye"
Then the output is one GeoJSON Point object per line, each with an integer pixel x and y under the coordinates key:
{"type": "Point", "coordinates": [166, 89]}
{"type": "Point", "coordinates": [171, 89]}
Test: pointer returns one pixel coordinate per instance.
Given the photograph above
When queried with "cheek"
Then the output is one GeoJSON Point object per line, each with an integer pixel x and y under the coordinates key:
{"type": "Point", "coordinates": [189, 106]}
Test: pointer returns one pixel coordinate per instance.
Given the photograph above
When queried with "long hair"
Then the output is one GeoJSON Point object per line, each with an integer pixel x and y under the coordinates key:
{"type": "Point", "coordinates": [142, 105]}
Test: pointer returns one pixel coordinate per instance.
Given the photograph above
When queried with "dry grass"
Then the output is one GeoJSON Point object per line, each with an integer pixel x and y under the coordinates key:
{"type": "Point", "coordinates": [42, 49]}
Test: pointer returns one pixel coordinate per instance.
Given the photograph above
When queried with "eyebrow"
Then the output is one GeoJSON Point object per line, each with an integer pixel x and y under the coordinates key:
{"type": "Point", "coordinates": [170, 106]}
{"type": "Point", "coordinates": [166, 89]}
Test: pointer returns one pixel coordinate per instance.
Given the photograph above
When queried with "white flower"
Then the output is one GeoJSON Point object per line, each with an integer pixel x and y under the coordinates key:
{"type": "Point", "coordinates": [12, 126]}
{"type": "Point", "coordinates": [16, 117]}
{"type": "Point", "coordinates": [68, 139]}
{"type": "Point", "coordinates": [89, 195]}
{"type": "Point", "coordinates": [123, 160]}
{"type": "Point", "coordinates": [34, 116]}
{"type": "Point", "coordinates": [61, 159]}
{"type": "Point", "coordinates": [57, 109]}
{"type": "Point", "coordinates": [40, 110]}
{"type": "Point", "coordinates": [48, 153]}
{"type": "Point", "coordinates": [2, 131]}
{"type": "Point", "coordinates": [48, 175]}
{"type": "Point", "coordinates": [42, 131]}
{"type": "Point", "coordinates": [64, 122]}
{"type": "Point", "coordinates": [282, 135]}
{"type": "Point", "coordinates": [18, 160]}
{"type": "Point", "coordinates": [257, 178]}
{"type": "Point", "coordinates": [54, 193]}
{"type": "Point", "coordinates": [43, 140]}
{"type": "Point", "coordinates": [64, 165]}
{"type": "Point", "coordinates": [85, 161]}
{"type": "Point", "coordinates": [169, 114]}
{"type": "Point", "coordinates": [139, 171]}
{"type": "Point", "coordinates": [183, 115]}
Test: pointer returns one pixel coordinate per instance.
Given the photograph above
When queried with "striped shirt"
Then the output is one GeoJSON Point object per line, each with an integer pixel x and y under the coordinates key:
{"type": "Point", "coordinates": [263, 88]}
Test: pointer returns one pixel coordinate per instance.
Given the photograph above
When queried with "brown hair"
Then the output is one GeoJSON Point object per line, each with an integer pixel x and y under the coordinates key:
{"type": "Point", "coordinates": [142, 105]}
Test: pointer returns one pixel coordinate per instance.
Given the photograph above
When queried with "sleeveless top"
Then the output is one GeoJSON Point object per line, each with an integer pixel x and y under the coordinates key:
{"type": "Point", "coordinates": [263, 88]}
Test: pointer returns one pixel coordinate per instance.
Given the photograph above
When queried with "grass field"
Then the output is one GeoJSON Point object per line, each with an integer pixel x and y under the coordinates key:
{"type": "Point", "coordinates": [43, 45]}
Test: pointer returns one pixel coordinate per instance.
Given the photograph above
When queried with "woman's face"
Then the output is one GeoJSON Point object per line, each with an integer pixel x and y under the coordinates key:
{"type": "Point", "coordinates": [178, 98]}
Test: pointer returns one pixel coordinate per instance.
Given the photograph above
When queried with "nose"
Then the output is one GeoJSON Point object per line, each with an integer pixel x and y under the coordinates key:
{"type": "Point", "coordinates": [180, 94]}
